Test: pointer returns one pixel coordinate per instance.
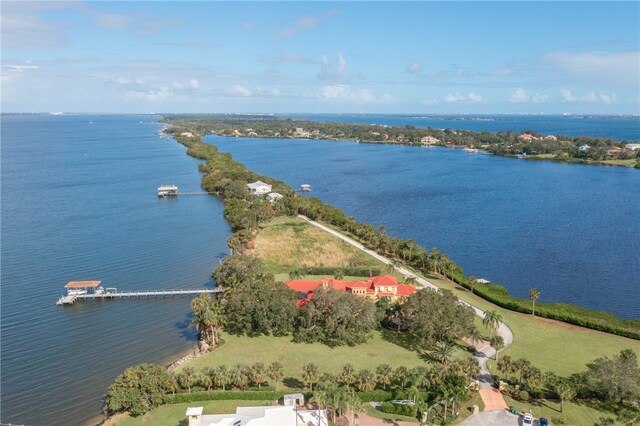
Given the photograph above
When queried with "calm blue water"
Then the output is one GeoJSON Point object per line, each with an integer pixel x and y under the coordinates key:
{"type": "Point", "coordinates": [614, 127]}
{"type": "Point", "coordinates": [79, 203]}
{"type": "Point", "coordinates": [570, 230]}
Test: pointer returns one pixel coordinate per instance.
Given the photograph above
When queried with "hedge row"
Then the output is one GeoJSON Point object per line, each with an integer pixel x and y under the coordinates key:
{"type": "Point", "coordinates": [377, 395]}
{"type": "Point", "coordinates": [229, 395]}
{"type": "Point", "coordinates": [572, 314]}
{"type": "Point", "coordinates": [349, 271]}
{"type": "Point", "coordinates": [403, 410]}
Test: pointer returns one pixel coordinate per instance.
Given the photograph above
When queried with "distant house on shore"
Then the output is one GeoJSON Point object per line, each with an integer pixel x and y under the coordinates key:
{"type": "Point", "coordinates": [259, 188]}
{"type": "Point", "coordinates": [584, 148]}
{"type": "Point", "coordinates": [632, 146]}
{"type": "Point", "coordinates": [186, 134]}
{"type": "Point", "coordinates": [375, 288]}
{"type": "Point", "coordinates": [274, 196]}
{"type": "Point", "coordinates": [429, 140]}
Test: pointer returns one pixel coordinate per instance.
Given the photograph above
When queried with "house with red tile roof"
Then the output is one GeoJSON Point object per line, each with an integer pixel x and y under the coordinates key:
{"type": "Point", "coordinates": [373, 288]}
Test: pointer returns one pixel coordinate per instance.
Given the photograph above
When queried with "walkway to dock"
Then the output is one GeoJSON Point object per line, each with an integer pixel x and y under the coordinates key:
{"type": "Point", "coordinates": [71, 299]}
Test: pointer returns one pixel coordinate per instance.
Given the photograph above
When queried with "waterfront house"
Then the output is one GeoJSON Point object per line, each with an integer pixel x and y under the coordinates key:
{"type": "Point", "coordinates": [386, 286]}
{"type": "Point", "coordinates": [551, 137]}
{"type": "Point", "coordinates": [258, 416]}
{"type": "Point", "coordinates": [584, 148]}
{"type": "Point", "coordinates": [632, 146]}
{"type": "Point", "coordinates": [186, 134]}
{"type": "Point", "coordinates": [429, 140]}
{"type": "Point", "coordinates": [259, 188]}
{"type": "Point", "coordinates": [274, 196]}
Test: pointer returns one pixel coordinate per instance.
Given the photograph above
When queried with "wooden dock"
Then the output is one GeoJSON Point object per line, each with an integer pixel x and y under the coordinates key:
{"type": "Point", "coordinates": [71, 299]}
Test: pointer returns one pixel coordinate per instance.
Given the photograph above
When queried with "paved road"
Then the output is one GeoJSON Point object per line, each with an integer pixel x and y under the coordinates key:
{"type": "Point", "coordinates": [483, 354]}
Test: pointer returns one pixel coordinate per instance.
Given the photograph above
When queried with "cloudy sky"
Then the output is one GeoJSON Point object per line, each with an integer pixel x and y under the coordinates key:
{"type": "Point", "coordinates": [410, 57]}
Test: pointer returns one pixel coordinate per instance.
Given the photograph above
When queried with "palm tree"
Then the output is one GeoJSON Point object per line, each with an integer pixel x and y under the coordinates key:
{"type": "Point", "coordinates": [492, 319]}
{"type": "Point", "coordinates": [411, 280]}
{"type": "Point", "coordinates": [475, 335]}
{"type": "Point", "coordinates": [322, 397]}
{"type": "Point", "coordinates": [221, 377]}
{"type": "Point", "coordinates": [473, 281]}
{"type": "Point", "coordinates": [498, 343]}
{"type": "Point", "coordinates": [258, 374]}
{"type": "Point", "coordinates": [275, 372]}
{"type": "Point", "coordinates": [186, 378]}
{"type": "Point", "coordinates": [383, 375]}
{"type": "Point", "coordinates": [401, 376]}
{"type": "Point", "coordinates": [237, 376]}
{"type": "Point", "coordinates": [390, 268]}
{"type": "Point", "coordinates": [506, 365]}
{"type": "Point", "coordinates": [565, 391]}
{"type": "Point", "coordinates": [534, 294]}
{"type": "Point", "coordinates": [205, 381]}
{"type": "Point", "coordinates": [443, 351]}
{"type": "Point", "coordinates": [413, 394]}
{"type": "Point", "coordinates": [310, 374]}
{"type": "Point", "coordinates": [210, 373]}
{"type": "Point", "coordinates": [366, 380]}
{"type": "Point", "coordinates": [348, 375]}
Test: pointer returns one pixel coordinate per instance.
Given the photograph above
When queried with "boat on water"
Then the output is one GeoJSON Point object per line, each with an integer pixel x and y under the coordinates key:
{"type": "Point", "coordinates": [167, 191]}
{"type": "Point", "coordinates": [305, 187]}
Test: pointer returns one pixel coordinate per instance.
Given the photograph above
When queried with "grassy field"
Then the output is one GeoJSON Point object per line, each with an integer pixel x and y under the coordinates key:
{"type": "Point", "coordinates": [288, 243]}
{"type": "Point", "coordinates": [550, 345]}
{"type": "Point", "coordinates": [174, 414]}
{"type": "Point", "coordinates": [381, 349]}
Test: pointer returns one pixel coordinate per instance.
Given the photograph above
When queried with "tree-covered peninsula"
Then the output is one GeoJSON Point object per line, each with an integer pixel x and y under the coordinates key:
{"type": "Point", "coordinates": [524, 144]}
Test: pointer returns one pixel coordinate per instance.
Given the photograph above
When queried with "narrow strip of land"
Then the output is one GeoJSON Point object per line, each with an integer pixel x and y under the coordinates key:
{"type": "Point", "coordinates": [483, 354]}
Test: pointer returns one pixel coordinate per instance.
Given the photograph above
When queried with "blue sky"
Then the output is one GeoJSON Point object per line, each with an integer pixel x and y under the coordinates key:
{"type": "Point", "coordinates": [388, 57]}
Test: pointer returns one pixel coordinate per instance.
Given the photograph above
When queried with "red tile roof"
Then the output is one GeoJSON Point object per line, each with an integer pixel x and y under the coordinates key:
{"type": "Point", "coordinates": [383, 280]}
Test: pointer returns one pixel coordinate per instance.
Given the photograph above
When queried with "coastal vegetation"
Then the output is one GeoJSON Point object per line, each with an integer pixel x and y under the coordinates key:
{"type": "Point", "coordinates": [525, 144]}
{"type": "Point", "coordinates": [221, 172]}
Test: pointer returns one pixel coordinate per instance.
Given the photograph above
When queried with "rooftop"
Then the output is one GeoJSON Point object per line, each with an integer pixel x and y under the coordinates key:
{"type": "Point", "coordinates": [82, 284]}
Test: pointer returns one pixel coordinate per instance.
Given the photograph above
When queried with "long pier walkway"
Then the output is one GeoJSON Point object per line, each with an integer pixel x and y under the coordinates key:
{"type": "Point", "coordinates": [71, 299]}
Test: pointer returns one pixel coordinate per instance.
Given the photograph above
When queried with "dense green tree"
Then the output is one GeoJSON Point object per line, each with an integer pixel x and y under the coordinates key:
{"type": "Point", "coordinates": [138, 390]}
{"type": "Point", "coordinates": [433, 316]}
{"type": "Point", "coordinates": [221, 377]}
{"type": "Point", "coordinates": [336, 318]}
{"type": "Point", "coordinates": [442, 352]}
{"type": "Point", "coordinates": [208, 318]}
{"type": "Point", "coordinates": [401, 377]}
{"type": "Point", "coordinates": [238, 376]}
{"type": "Point", "coordinates": [237, 268]}
{"type": "Point", "coordinates": [260, 306]}
{"type": "Point", "coordinates": [187, 378]}
{"type": "Point", "coordinates": [617, 379]}
{"type": "Point", "coordinates": [348, 375]}
{"type": "Point", "coordinates": [498, 344]}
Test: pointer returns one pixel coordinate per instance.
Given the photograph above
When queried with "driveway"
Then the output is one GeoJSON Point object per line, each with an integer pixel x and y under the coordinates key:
{"type": "Point", "coordinates": [493, 418]}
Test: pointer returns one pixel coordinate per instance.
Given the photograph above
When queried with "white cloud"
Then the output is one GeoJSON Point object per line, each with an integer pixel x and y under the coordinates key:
{"type": "Point", "coordinates": [123, 80]}
{"type": "Point", "coordinates": [21, 67]}
{"type": "Point", "coordinates": [457, 97]}
{"type": "Point", "coordinates": [520, 96]}
{"type": "Point", "coordinates": [603, 67]}
{"type": "Point", "coordinates": [330, 70]}
{"type": "Point", "coordinates": [237, 90]}
{"type": "Point", "coordinates": [287, 57]}
{"type": "Point", "coordinates": [344, 93]}
{"type": "Point", "coordinates": [153, 95]}
{"type": "Point", "coordinates": [592, 96]}
{"type": "Point", "coordinates": [414, 68]}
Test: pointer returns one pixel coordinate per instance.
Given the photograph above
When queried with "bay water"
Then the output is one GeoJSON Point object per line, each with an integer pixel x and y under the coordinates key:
{"type": "Point", "coordinates": [79, 203]}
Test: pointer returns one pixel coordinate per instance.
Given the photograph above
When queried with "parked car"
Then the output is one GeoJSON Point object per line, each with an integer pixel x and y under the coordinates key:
{"type": "Point", "coordinates": [527, 420]}
{"type": "Point", "coordinates": [543, 422]}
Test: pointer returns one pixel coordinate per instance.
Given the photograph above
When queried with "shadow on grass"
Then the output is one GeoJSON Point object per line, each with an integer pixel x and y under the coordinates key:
{"type": "Point", "coordinates": [399, 338]}
{"type": "Point", "coordinates": [292, 382]}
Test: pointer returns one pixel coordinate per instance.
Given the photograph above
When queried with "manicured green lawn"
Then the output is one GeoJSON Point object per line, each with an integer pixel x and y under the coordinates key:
{"type": "Point", "coordinates": [550, 345]}
{"type": "Point", "coordinates": [369, 410]}
{"type": "Point", "coordinates": [267, 349]}
{"type": "Point", "coordinates": [573, 414]}
{"type": "Point", "coordinates": [174, 414]}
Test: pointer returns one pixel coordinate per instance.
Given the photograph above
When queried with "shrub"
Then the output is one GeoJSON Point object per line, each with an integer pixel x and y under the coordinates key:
{"type": "Point", "coordinates": [376, 395]}
{"type": "Point", "coordinates": [523, 395]}
{"type": "Point", "coordinates": [349, 271]}
{"type": "Point", "coordinates": [401, 409]}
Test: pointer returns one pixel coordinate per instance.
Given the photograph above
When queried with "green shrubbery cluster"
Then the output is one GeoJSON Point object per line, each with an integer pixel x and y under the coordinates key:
{"type": "Point", "coordinates": [347, 271]}
{"type": "Point", "coordinates": [401, 409]}
{"type": "Point", "coordinates": [229, 395]}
